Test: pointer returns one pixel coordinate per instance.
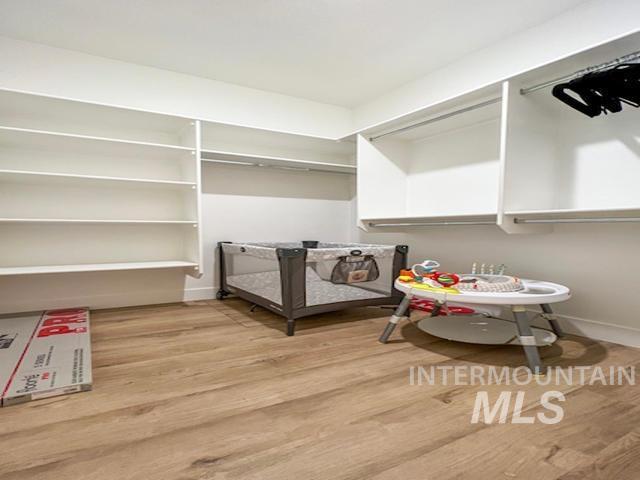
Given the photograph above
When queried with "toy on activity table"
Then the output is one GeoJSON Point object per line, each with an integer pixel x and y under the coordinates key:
{"type": "Point", "coordinates": [487, 278]}
{"type": "Point", "coordinates": [426, 276]}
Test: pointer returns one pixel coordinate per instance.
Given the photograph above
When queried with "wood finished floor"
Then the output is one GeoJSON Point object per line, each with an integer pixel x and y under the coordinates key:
{"type": "Point", "coordinates": [210, 391]}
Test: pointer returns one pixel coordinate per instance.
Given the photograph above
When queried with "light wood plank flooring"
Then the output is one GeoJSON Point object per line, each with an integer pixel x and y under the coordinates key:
{"type": "Point", "coordinates": [209, 390]}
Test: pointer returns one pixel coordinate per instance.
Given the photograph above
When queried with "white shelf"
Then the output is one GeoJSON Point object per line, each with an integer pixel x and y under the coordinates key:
{"type": "Point", "coordinates": [33, 111]}
{"type": "Point", "coordinates": [29, 150]}
{"type": "Point", "coordinates": [265, 145]}
{"type": "Point", "coordinates": [17, 130]}
{"type": "Point", "coordinates": [25, 176]}
{"type": "Point", "coordinates": [95, 221]}
{"type": "Point", "coordinates": [254, 160]}
{"type": "Point", "coordinates": [96, 267]}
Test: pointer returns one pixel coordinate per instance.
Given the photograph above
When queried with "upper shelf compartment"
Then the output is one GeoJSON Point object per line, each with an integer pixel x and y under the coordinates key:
{"type": "Point", "coordinates": [54, 115]}
{"type": "Point", "coordinates": [442, 163]}
{"type": "Point", "coordinates": [561, 164]}
{"type": "Point", "coordinates": [254, 147]}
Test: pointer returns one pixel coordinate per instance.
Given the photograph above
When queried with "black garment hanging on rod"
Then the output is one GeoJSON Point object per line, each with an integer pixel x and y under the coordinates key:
{"type": "Point", "coordinates": [603, 91]}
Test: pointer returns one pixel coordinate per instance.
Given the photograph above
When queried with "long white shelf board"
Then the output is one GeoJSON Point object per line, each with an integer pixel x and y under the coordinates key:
{"type": "Point", "coordinates": [89, 221]}
{"type": "Point", "coordinates": [20, 176]}
{"type": "Point", "coordinates": [94, 267]}
{"type": "Point", "coordinates": [254, 160]}
{"type": "Point", "coordinates": [18, 130]}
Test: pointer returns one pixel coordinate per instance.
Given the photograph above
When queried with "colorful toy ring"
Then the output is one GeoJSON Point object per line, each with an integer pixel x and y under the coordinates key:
{"type": "Point", "coordinates": [446, 279]}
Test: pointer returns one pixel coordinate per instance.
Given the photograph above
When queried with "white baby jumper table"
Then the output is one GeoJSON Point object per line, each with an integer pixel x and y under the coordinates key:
{"type": "Point", "coordinates": [488, 330]}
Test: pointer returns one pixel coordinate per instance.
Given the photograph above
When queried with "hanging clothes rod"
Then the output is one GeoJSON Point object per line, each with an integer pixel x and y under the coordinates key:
{"type": "Point", "coordinates": [278, 167]}
{"type": "Point", "coordinates": [433, 224]}
{"type": "Point", "coordinates": [578, 220]}
{"type": "Point", "coordinates": [438, 118]}
{"type": "Point", "coordinates": [603, 66]}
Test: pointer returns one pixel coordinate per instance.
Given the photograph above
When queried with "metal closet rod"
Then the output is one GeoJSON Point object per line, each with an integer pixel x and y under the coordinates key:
{"type": "Point", "coordinates": [515, 220]}
{"type": "Point", "coordinates": [584, 71]}
{"type": "Point", "coordinates": [438, 118]}
{"type": "Point", "coordinates": [433, 224]}
{"type": "Point", "coordinates": [578, 220]}
{"type": "Point", "coordinates": [279, 167]}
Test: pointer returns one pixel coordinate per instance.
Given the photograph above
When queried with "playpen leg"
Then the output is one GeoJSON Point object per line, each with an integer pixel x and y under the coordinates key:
{"type": "Point", "coordinates": [527, 339]}
{"type": "Point", "coordinates": [398, 315]}
{"type": "Point", "coordinates": [291, 326]}
{"type": "Point", "coordinates": [551, 318]}
{"type": "Point", "coordinates": [221, 294]}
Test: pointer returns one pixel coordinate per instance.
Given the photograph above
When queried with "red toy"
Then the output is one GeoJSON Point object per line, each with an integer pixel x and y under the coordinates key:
{"type": "Point", "coordinates": [427, 306]}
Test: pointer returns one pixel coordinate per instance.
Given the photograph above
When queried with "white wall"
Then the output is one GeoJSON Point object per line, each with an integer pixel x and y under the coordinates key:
{"type": "Point", "coordinates": [587, 25]}
{"type": "Point", "coordinates": [239, 204]}
{"type": "Point", "coordinates": [53, 71]}
{"type": "Point", "coordinates": [265, 205]}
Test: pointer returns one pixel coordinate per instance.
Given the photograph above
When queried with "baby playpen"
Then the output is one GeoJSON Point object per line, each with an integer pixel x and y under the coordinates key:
{"type": "Point", "coordinates": [300, 279]}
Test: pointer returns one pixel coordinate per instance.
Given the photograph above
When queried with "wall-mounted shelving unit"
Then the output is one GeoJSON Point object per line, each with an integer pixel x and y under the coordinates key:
{"type": "Point", "coordinates": [88, 187]}
{"type": "Point", "coordinates": [561, 166]}
{"type": "Point", "coordinates": [441, 165]}
{"type": "Point", "coordinates": [528, 161]}
{"type": "Point", "coordinates": [85, 187]}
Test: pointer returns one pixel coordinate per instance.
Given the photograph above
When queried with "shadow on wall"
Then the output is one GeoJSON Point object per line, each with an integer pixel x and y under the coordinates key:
{"type": "Point", "coordinates": [220, 179]}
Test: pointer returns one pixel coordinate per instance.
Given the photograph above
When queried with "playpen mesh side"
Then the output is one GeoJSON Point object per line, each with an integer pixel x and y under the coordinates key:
{"type": "Point", "coordinates": [256, 274]}
{"type": "Point", "coordinates": [254, 268]}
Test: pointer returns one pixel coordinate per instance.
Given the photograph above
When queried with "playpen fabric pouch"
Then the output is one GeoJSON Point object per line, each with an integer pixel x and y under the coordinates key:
{"type": "Point", "coordinates": [355, 269]}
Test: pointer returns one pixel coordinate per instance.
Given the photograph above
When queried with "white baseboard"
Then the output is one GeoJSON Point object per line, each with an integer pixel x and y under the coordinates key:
{"type": "Point", "coordinates": [201, 293]}
{"type": "Point", "coordinates": [595, 330]}
{"type": "Point", "coordinates": [110, 300]}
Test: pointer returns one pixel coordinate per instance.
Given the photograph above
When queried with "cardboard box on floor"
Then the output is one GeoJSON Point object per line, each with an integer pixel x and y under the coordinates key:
{"type": "Point", "coordinates": [45, 354]}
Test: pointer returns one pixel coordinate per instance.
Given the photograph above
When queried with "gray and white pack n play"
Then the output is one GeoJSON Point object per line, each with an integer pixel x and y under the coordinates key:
{"type": "Point", "coordinates": [44, 354]}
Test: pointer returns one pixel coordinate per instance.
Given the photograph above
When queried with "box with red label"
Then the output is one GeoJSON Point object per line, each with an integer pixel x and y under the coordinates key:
{"type": "Point", "coordinates": [44, 355]}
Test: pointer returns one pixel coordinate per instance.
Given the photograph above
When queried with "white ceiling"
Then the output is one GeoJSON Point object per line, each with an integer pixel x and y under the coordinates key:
{"type": "Point", "coordinates": [342, 52]}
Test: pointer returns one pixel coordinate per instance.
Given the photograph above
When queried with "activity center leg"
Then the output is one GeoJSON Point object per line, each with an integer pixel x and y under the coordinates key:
{"type": "Point", "coordinates": [399, 314]}
{"type": "Point", "coordinates": [527, 339]}
{"type": "Point", "coordinates": [437, 307]}
{"type": "Point", "coordinates": [550, 317]}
